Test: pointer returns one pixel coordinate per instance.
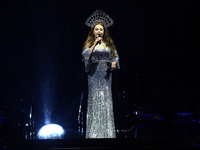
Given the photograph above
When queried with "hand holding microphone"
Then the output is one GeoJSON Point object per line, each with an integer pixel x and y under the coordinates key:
{"type": "Point", "coordinates": [98, 40]}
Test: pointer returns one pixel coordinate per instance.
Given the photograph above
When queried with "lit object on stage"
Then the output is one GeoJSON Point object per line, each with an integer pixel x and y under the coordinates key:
{"type": "Point", "coordinates": [51, 131]}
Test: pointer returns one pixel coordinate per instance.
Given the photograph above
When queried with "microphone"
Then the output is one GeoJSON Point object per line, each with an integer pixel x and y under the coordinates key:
{"type": "Point", "coordinates": [100, 40]}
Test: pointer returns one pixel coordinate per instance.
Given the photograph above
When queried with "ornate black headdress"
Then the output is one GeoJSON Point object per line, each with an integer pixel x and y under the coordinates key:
{"type": "Point", "coordinates": [99, 15]}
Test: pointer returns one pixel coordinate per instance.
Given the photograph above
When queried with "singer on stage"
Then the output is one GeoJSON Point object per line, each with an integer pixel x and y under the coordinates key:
{"type": "Point", "coordinates": [101, 58]}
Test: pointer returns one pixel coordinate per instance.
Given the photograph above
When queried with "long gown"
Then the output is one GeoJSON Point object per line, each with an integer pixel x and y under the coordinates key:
{"type": "Point", "coordinates": [100, 116]}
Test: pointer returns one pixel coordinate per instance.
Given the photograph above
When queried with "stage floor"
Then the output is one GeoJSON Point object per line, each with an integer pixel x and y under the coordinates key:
{"type": "Point", "coordinates": [134, 143]}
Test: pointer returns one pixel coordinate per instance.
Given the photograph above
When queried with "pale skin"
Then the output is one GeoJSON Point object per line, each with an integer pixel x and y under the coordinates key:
{"type": "Point", "coordinates": [99, 30]}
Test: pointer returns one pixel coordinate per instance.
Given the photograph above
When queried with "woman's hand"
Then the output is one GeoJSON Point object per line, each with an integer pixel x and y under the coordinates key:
{"type": "Point", "coordinates": [97, 40]}
{"type": "Point", "coordinates": [113, 64]}
{"type": "Point", "coordinates": [95, 43]}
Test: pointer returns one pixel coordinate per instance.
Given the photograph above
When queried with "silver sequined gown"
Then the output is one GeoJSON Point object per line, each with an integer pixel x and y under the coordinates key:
{"type": "Point", "coordinates": [100, 117]}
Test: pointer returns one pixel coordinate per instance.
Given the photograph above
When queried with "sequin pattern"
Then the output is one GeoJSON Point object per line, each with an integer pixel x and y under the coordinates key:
{"type": "Point", "coordinates": [100, 116]}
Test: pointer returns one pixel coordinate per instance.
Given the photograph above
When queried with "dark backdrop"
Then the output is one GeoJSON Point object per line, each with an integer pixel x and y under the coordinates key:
{"type": "Point", "coordinates": [40, 58]}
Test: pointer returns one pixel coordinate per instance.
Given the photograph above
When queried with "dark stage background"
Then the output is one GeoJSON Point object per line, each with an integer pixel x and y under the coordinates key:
{"type": "Point", "coordinates": [40, 59]}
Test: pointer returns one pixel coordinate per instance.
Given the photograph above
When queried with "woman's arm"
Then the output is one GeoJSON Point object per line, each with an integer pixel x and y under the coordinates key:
{"type": "Point", "coordinates": [95, 43]}
{"type": "Point", "coordinates": [115, 62]}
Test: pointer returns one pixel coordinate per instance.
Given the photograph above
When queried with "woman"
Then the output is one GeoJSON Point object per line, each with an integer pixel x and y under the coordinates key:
{"type": "Point", "coordinates": [100, 57]}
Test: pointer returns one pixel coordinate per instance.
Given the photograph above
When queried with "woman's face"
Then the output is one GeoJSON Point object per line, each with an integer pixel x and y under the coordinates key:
{"type": "Point", "coordinates": [98, 30]}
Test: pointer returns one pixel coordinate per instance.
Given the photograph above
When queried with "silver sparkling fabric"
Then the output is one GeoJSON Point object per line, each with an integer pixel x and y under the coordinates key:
{"type": "Point", "coordinates": [100, 117]}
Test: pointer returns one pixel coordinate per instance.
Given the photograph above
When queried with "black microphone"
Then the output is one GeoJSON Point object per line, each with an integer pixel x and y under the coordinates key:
{"type": "Point", "coordinates": [100, 40]}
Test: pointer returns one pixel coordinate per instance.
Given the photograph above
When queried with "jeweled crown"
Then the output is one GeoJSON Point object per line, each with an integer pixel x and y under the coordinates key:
{"type": "Point", "coordinates": [99, 15]}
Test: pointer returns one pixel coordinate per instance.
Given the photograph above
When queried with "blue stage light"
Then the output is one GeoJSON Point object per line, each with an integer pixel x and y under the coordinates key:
{"type": "Point", "coordinates": [51, 131]}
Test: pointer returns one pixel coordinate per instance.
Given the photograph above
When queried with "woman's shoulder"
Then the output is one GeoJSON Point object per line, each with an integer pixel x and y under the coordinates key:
{"type": "Point", "coordinates": [86, 50]}
{"type": "Point", "coordinates": [87, 45]}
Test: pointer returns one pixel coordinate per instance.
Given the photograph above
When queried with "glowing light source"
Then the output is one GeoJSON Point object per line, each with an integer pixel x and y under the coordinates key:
{"type": "Point", "coordinates": [51, 131]}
